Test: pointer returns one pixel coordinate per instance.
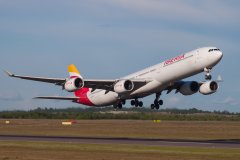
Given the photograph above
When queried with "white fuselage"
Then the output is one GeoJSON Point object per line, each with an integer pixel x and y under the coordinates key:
{"type": "Point", "coordinates": [161, 75]}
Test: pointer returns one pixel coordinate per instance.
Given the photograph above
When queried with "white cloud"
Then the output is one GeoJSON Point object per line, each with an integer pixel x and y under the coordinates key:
{"type": "Point", "coordinates": [229, 101]}
{"type": "Point", "coordinates": [172, 101]}
{"type": "Point", "coordinates": [202, 12]}
{"type": "Point", "coordinates": [10, 97]}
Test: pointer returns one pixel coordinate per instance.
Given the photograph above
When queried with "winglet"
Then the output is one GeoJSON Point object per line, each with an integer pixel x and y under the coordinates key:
{"type": "Point", "coordinates": [8, 73]}
{"type": "Point", "coordinates": [73, 71]}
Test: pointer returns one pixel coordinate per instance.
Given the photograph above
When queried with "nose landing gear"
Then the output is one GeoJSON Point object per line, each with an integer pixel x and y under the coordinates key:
{"type": "Point", "coordinates": [208, 75]}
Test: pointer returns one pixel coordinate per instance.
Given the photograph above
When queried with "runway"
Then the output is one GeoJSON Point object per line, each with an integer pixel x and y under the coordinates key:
{"type": "Point", "coordinates": [228, 143]}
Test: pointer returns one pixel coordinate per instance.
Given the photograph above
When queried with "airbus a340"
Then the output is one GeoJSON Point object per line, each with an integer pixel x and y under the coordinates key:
{"type": "Point", "coordinates": [165, 76]}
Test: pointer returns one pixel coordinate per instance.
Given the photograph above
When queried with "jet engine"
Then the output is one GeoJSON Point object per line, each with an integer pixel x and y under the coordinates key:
{"type": "Point", "coordinates": [123, 86]}
{"type": "Point", "coordinates": [73, 84]}
{"type": "Point", "coordinates": [208, 88]}
{"type": "Point", "coordinates": [189, 88]}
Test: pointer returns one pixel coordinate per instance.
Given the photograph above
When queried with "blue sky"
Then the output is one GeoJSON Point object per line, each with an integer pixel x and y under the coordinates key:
{"type": "Point", "coordinates": [110, 39]}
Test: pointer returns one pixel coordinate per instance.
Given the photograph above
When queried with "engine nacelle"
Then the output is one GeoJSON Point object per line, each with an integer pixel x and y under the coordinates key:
{"type": "Point", "coordinates": [208, 87]}
{"type": "Point", "coordinates": [73, 84]}
{"type": "Point", "coordinates": [123, 86]}
{"type": "Point", "coordinates": [189, 88]}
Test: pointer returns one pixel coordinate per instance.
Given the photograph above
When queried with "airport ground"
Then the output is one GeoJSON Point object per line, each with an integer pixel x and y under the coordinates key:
{"type": "Point", "coordinates": [125, 128]}
{"type": "Point", "coordinates": [130, 129]}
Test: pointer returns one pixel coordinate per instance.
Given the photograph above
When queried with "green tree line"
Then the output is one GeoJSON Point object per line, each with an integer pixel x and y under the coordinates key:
{"type": "Point", "coordinates": [192, 114]}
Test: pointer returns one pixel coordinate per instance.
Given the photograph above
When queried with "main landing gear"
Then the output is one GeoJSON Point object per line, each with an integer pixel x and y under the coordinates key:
{"type": "Point", "coordinates": [208, 75]}
{"type": "Point", "coordinates": [119, 104]}
{"type": "Point", "coordinates": [136, 103]}
{"type": "Point", "coordinates": [157, 102]}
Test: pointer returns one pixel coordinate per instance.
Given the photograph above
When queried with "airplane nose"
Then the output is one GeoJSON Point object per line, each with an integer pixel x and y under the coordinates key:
{"type": "Point", "coordinates": [219, 55]}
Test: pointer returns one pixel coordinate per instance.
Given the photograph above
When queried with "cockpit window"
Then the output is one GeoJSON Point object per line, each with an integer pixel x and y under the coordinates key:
{"type": "Point", "coordinates": [210, 50]}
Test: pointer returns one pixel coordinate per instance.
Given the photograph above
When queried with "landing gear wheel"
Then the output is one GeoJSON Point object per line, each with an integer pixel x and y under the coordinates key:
{"type": "Point", "coordinates": [136, 103]}
{"type": "Point", "coordinates": [132, 102]}
{"type": "Point", "coordinates": [140, 104]}
{"type": "Point", "coordinates": [208, 77]}
{"type": "Point", "coordinates": [120, 105]}
{"type": "Point", "coordinates": [157, 103]}
{"type": "Point", "coordinates": [160, 102]}
{"type": "Point", "coordinates": [115, 106]}
{"type": "Point", "coordinates": [152, 106]}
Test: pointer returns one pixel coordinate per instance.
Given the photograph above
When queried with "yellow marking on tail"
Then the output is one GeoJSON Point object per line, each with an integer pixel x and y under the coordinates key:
{"type": "Point", "coordinates": [72, 68]}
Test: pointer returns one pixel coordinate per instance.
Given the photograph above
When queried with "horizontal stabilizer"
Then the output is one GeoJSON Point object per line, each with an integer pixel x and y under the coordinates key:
{"type": "Point", "coordinates": [58, 98]}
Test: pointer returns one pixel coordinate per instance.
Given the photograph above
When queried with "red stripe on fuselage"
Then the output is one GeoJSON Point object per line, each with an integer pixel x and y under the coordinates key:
{"type": "Point", "coordinates": [82, 94]}
{"type": "Point", "coordinates": [74, 77]}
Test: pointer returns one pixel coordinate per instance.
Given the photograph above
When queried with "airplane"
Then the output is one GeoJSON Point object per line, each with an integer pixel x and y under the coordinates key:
{"type": "Point", "coordinates": [165, 76]}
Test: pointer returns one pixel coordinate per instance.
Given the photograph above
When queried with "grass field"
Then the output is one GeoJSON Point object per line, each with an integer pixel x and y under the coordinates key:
{"type": "Point", "coordinates": [125, 128]}
{"type": "Point", "coordinates": [14, 150]}
{"type": "Point", "coordinates": [72, 151]}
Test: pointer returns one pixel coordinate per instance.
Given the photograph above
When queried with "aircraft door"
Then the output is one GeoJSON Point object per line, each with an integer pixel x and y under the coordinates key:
{"type": "Point", "coordinates": [198, 59]}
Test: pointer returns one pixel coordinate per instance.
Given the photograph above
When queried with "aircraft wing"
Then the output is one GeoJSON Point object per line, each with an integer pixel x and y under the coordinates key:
{"type": "Point", "coordinates": [89, 83]}
{"type": "Point", "coordinates": [58, 98]}
{"type": "Point", "coordinates": [57, 81]}
{"type": "Point", "coordinates": [175, 86]}
{"type": "Point", "coordinates": [109, 84]}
